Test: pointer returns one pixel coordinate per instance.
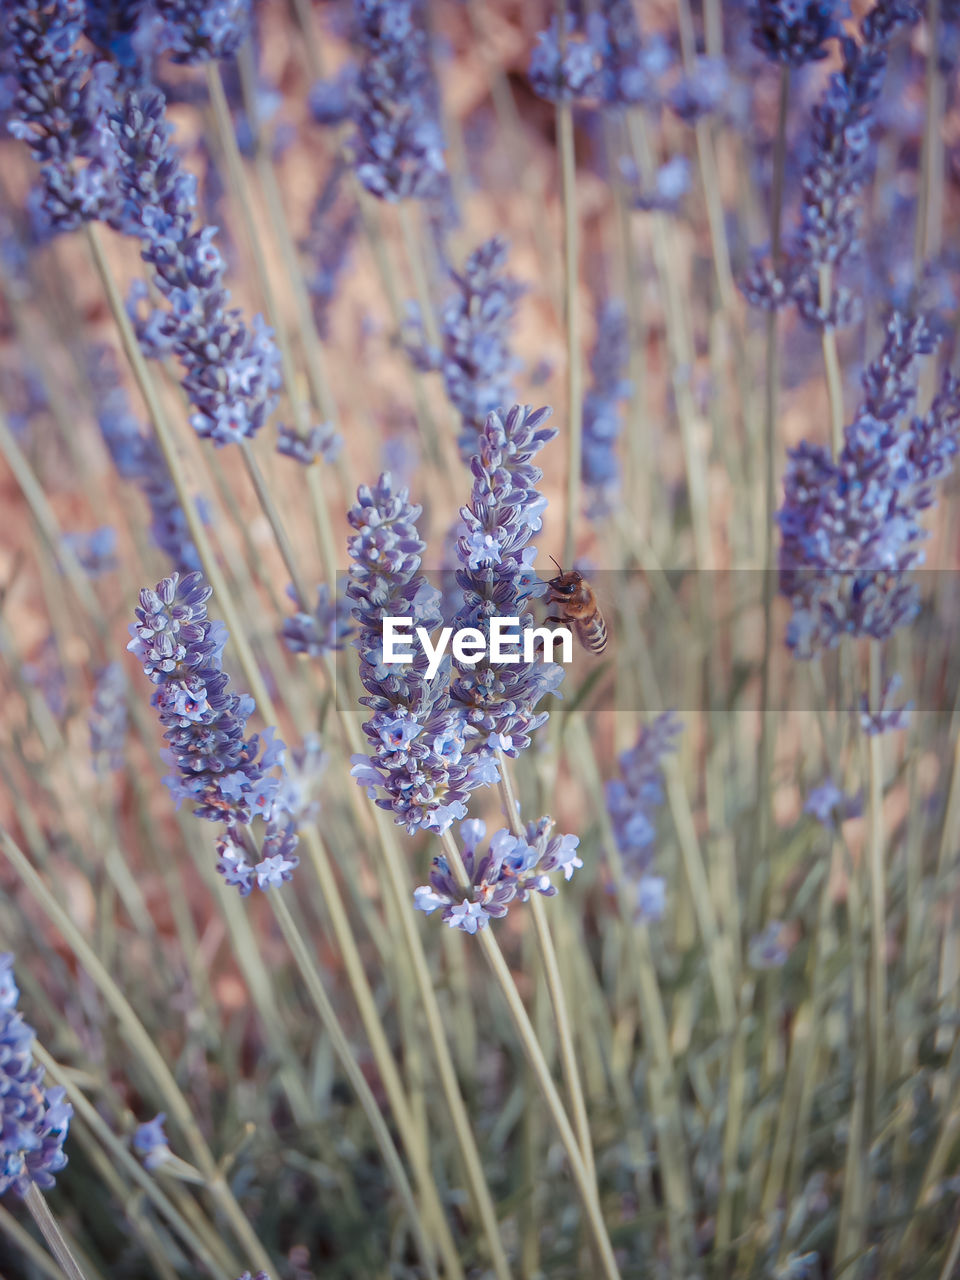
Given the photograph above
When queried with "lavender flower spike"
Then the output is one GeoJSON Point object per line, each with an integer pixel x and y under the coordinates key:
{"type": "Point", "coordinates": [632, 801]}
{"type": "Point", "coordinates": [416, 766]}
{"type": "Point", "coordinates": [230, 777]}
{"type": "Point", "coordinates": [58, 109]}
{"type": "Point", "coordinates": [201, 32]}
{"type": "Point", "coordinates": [600, 467]}
{"type": "Point", "coordinates": [498, 579]}
{"type": "Point", "coordinates": [851, 528]}
{"type": "Point", "coordinates": [232, 372]}
{"type": "Point", "coordinates": [398, 143]}
{"type": "Point", "coordinates": [33, 1119]}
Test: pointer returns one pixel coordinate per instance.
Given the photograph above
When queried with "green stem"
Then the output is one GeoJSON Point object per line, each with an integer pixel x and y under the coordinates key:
{"type": "Point", "coordinates": [571, 255]}
{"type": "Point", "coordinates": [51, 1232]}
{"type": "Point", "coordinates": [586, 1187]}
{"type": "Point", "coordinates": [558, 1000]}
{"type": "Point", "coordinates": [341, 1047]}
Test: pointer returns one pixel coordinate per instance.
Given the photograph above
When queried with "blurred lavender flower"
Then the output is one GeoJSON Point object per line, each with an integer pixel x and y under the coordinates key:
{"type": "Point", "coordinates": [150, 1142]}
{"type": "Point", "coordinates": [261, 1275]}
{"type": "Point", "coordinates": [416, 768]}
{"type": "Point", "coordinates": [230, 777]}
{"type": "Point", "coordinates": [232, 372]}
{"type": "Point", "coordinates": [630, 68]}
{"type": "Point", "coordinates": [59, 109]}
{"type": "Point", "coordinates": [398, 142]}
{"type": "Point", "coordinates": [576, 72]}
{"type": "Point", "coordinates": [138, 457]}
{"type": "Point", "coordinates": [330, 101]}
{"type": "Point", "coordinates": [850, 528]}
{"type": "Point", "coordinates": [498, 579]}
{"type": "Point", "coordinates": [322, 441]}
{"type": "Point", "coordinates": [671, 184]}
{"type": "Point", "coordinates": [701, 92]}
{"type": "Point", "coordinates": [198, 32]}
{"type": "Point", "coordinates": [831, 806]}
{"type": "Point", "coordinates": [632, 802]}
{"type": "Point", "coordinates": [96, 551]}
{"type": "Point", "coordinates": [46, 674]}
{"type": "Point", "coordinates": [118, 29]}
{"type": "Point", "coordinates": [830, 217]}
{"type": "Point", "coordinates": [602, 414]}
{"type": "Point", "coordinates": [476, 361]}
{"type": "Point", "coordinates": [321, 632]}
{"type": "Point", "coordinates": [794, 32]}
{"type": "Point", "coordinates": [33, 1119]}
{"type": "Point", "coordinates": [327, 246]}
{"type": "Point", "coordinates": [108, 720]}
{"type": "Point", "coordinates": [885, 718]}
{"type": "Point", "coordinates": [767, 949]}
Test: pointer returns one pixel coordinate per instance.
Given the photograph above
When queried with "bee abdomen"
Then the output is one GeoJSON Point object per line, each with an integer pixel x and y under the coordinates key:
{"type": "Point", "coordinates": [593, 634]}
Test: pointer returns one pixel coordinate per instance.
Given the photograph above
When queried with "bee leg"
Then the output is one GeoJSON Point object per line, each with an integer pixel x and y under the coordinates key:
{"type": "Point", "coordinates": [554, 621]}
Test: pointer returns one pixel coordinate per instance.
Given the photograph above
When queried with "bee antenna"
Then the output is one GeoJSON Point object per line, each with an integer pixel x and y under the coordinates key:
{"type": "Point", "coordinates": [560, 567]}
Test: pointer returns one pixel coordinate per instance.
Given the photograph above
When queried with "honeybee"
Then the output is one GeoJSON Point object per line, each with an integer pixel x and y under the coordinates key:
{"type": "Point", "coordinates": [579, 608]}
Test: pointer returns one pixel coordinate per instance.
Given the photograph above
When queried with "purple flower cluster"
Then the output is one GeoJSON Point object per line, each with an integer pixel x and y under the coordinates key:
{"type": "Point", "coordinates": [603, 60]}
{"type": "Point", "coordinates": [150, 1142]}
{"type": "Point", "coordinates": [851, 526]}
{"type": "Point", "coordinates": [108, 720]}
{"type": "Point", "coordinates": [476, 361]}
{"type": "Point", "coordinates": [830, 217]}
{"type": "Point", "coordinates": [33, 1119]}
{"type": "Point", "coordinates": [59, 107]}
{"type": "Point", "coordinates": [321, 441]}
{"type": "Point", "coordinates": [115, 28]}
{"type": "Point", "coordinates": [632, 802]}
{"type": "Point", "coordinates": [138, 457]}
{"type": "Point", "coordinates": [227, 775]}
{"type": "Point", "coordinates": [327, 247]}
{"type": "Point", "coordinates": [96, 551]}
{"type": "Point", "coordinates": [831, 806]}
{"type": "Point", "coordinates": [512, 867]}
{"type": "Point", "coordinates": [794, 32]}
{"type": "Point", "coordinates": [573, 72]}
{"type": "Point", "coordinates": [416, 768]}
{"type": "Point", "coordinates": [497, 578]}
{"type": "Point", "coordinates": [321, 632]}
{"type": "Point", "coordinates": [198, 32]}
{"type": "Point", "coordinates": [602, 414]}
{"type": "Point", "coordinates": [232, 371]}
{"type": "Point", "coordinates": [398, 142]}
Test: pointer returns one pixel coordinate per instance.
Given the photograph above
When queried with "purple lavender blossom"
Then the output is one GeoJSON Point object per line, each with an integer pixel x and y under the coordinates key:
{"type": "Point", "coordinates": [33, 1119]}
{"type": "Point", "coordinates": [831, 806]}
{"type": "Point", "coordinates": [767, 949]}
{"type": "Point", "coordinates": [59, 109]}
{"type": "Point", "coordinates": [138, 457]}
{"type": "Point", "coordinates": [398, 142]}
{"type": "Point", "coordinates": [602, 414]}
{"type": "Point", "coordinates": [475, 360]}
{"type": "Point", "coordinates": [498, 579]}
{"type": "Point", "coordinates": [630, 67]}
{"type": "Point", "coordinates": [199, 32]}
{"type": "Point", "coordinates": [46, 674]}
{"type": "Point", "coordinates": [230, 777]}
{"type": "Point", "coordinates": [794, 32]}
{"type": "Point", "coordinates": [632, 802]}
{"type": "Point", "coordinates": [333, 226]}
{"type": "Point", "coordinates": [330, 101]}
{"type": "Point", "coordinates": [95, 551]}
{"type": "Point", "coordinates": [671, 183]}
{"type": "Point", "coordinates": [321, 441]}
{"type": "Point", "coordinates": [416, 768]}
{"type": "Point", "coordinates": [851, 528]}
{"type": "Point", "coordinates": [121, 31]}
{"type": "Point", "coordinates": [571, 73]}
{"type": "Point", "coordinates": [513, 867]}
{"type": "Point", "coordinates": [261, 1275]}
{"type": "Point", "coordinates": [830, 218]}
{"type": "Point", "coordinates": [321, 632]}
{"type": "Point", "coordinates": [886, 717]}
{"type": "Point", "coordinates": [108, 720]}
{"type": "Point", "coordinates": [232, 371]}
{"type": "Point", "coordinates": [702, 91]}
{"type": "Point", "coordinates": [150, 1142]}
